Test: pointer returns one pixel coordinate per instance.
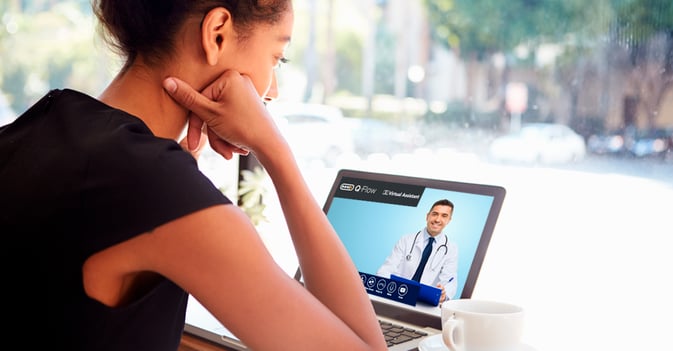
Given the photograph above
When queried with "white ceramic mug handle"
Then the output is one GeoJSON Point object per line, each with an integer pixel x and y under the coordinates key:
{"type": "Point", "coordinates": [452, 334]}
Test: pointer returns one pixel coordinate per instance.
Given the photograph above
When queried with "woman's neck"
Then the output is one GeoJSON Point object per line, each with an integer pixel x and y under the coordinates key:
{"type": "Point", "coordinates": [139, 92]}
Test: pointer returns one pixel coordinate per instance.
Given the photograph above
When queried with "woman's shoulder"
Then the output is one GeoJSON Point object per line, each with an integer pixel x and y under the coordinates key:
{"type": "Point", "coordinates": [109, 141]}
{"type": "Point", "coordinates": [102, 131]}
{"type": "Point", "coordinates": [90, 113]}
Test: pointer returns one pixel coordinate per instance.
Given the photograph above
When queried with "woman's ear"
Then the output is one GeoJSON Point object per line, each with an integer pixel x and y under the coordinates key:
{"type": "Point", "coordinates": [217, 29]}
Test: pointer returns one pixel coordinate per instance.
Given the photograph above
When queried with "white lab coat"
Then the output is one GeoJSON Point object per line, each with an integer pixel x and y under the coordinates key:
{"type": "Point", "coordinates": [442, 265]}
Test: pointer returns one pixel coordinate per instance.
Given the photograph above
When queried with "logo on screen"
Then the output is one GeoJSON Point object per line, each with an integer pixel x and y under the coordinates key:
{"type": "Point", "coordinates": [346, 187]}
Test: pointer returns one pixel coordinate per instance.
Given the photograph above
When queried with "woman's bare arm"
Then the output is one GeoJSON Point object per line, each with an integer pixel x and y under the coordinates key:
{"type": "Point", "coordinates": [236, 278]}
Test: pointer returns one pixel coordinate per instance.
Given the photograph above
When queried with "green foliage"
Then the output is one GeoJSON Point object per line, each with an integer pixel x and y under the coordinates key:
{"type": "Point", "coordinates": [51, 47]}
{"type": "Point", "coordinates": [13, 83]}
{"type": "Point", "coordinates": [638, 20]}
{"type": "Point", "coordinates": [385, 61]}
{"type": "Point", "coordinates": [251, 193]}
{"type": "Point", "coordinates": [478, 28]}
{"type": "Point", "coordinates": [348, 61]}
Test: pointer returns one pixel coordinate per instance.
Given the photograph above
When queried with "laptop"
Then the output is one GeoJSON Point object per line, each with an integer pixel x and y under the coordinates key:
{"type": "Point", "coordinates": [370, 212]}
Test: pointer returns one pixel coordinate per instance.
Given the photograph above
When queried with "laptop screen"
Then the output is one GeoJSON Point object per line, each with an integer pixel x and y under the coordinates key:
{"type": "Point", "coordinates": [375, 213]}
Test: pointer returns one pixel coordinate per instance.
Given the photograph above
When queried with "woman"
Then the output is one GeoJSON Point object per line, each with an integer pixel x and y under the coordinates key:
{"type": "Point", "coordinates": [138, 227]}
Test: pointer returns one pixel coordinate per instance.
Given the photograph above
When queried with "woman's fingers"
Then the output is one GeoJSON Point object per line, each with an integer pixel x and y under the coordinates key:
{"type": "Point", "coordinates": [232, 111]}
{"type": "Point", "coordinates": [195, 132]}
{"type": "Point", "coordinates": [189, 98]}
{"type": "Point", "coordinates": [223, 147]}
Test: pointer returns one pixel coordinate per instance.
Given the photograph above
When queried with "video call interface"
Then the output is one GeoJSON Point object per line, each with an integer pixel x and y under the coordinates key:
{"type": "Point", "coordinates": [371, 216]}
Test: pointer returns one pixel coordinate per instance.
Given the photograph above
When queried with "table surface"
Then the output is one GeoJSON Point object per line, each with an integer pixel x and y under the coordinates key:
{"type": "Point", "coordinates": [191, 342]}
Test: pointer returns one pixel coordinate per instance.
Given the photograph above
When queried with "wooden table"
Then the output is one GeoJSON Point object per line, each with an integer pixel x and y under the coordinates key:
{"type": "Point", "coordinates": [194, 343]}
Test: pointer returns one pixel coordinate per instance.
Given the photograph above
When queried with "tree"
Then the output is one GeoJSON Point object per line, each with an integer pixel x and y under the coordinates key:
{"type": "Point", "coordinates": [584, 32]}
{"type": "Point", "coordinates": [483, 27]}
{"type": "Point", "coordinates": [51, 47]}
{"type": "Point", "coordinates": [479, 29]}
{"type": "Point", "coordinates": [645, 29]}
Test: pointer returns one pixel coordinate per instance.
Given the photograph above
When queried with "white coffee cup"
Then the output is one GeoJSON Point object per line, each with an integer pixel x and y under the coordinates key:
{"type": "Point", "coordinates": [480, 325]}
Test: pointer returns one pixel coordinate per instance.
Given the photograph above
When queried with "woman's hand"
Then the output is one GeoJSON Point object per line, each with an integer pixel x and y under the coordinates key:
{"type": "Point", "coordinates": [236, 119]}
{"type": "Point", "coordinates": [201, 140]}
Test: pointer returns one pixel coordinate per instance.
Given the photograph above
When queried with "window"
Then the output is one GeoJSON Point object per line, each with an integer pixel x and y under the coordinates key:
{"type": "Point", "coordinates": [582, 239]}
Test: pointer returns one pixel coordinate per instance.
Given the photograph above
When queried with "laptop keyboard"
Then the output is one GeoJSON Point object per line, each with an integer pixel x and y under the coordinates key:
{"type": "Point", "coordinates": [397, 334]}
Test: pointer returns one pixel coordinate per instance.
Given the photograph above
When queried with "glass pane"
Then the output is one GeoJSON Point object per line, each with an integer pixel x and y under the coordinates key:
{"type": "Point", "coordinates": [567, 104]}
{"type": "Point", "coordinates": [560, 102]}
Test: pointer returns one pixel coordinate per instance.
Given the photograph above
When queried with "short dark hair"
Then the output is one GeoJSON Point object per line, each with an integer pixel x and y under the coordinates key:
{"type": "Point", "coordinates": [148, 27]}
{"type": "Point", "coordinates": [442, 202]}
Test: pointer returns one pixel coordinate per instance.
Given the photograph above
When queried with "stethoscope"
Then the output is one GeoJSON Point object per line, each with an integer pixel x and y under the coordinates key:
{"type": "Point", "coordinates": [433, 265]}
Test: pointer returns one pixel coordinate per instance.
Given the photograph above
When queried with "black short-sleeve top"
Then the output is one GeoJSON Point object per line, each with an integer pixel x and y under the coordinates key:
{"type": "Point", "coordinates": [78, 176]}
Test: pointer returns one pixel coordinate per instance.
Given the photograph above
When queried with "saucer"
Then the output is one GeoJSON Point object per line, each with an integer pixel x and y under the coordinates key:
{"type": "Point", "coordinates": [435, 343]}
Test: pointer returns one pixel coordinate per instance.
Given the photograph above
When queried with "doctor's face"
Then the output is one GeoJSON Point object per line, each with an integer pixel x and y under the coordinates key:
{"type": "Point", "coordinates": [438, 217]}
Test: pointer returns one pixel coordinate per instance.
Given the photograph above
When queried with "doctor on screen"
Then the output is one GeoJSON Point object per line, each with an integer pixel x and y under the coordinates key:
{"type": "Point", "coordinates": [427, 256]}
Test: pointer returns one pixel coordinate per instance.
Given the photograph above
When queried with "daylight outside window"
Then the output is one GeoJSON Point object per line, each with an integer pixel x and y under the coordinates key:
{"type": "Point", "coordinates": [566, 104]}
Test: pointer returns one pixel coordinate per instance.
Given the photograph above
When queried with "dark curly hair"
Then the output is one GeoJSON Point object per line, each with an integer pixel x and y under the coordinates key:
{"type": "Point", "coordinates": [148, 27]}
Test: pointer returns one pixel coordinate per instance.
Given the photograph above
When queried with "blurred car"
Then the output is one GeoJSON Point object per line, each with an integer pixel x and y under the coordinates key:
{"type": "Point", "coordinates": [539, 143]}
{"type": "Point", "coordinates": [651, 143]}
{"type": "Point", "coordinates": [608, 143]}
{"type": "Point", "coordinates": [313, 131]}
{"type": "Point", "coordinates": [371, 135]}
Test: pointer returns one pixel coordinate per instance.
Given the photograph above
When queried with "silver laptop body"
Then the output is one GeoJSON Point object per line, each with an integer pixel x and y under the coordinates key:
{"type": "Point", "coordinates": [370, 211]}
